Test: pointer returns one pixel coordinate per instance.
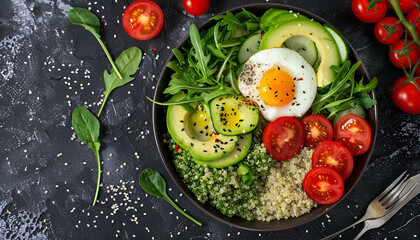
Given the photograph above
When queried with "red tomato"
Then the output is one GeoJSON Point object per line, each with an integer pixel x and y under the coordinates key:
{"type": "Point", "coordinates": [411, 18]}
{"type": "Point", "coordinates": [143, 19]}
{"type": "Point", "coordinates": [381, 33]}
{"type": "Point", "coordinates": [196, 7]}
{"type": "Point", "coordinates": [334, 155]}
{"type": "Point", "coordinates": [324, 185]}
{"type": "Point", "coordinates": [406, 5]}
{"type": "Point", "coordinates": [402, 61]}
{"type": "Point", "coordinates": [283, 138]}
{"type": "Point", "coordinates": [317, 129]}
{"type": "Point", "coordinates": [354, 133]}
{"type": "Point", "coordinates": [359, 8]}
{"type": "Point", "coordinates": [407, 96]}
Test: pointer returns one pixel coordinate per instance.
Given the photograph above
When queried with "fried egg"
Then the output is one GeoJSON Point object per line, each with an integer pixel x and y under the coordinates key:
{"type": "Point", "coordinates": [280, 82]}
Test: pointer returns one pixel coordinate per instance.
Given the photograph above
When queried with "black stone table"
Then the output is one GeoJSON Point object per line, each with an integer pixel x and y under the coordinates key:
{"type": "Point", "coordinates": [47, 178]}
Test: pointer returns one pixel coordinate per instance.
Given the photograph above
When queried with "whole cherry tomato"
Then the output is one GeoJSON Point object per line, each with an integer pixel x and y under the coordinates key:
{"type": "Point", "coordinates": [411, 19]}
{"type": "Point", "coordinates": [196, 7]}
{"type": "Point", "coordinates": [381, 33]}
{"type": "Point", "coordinates": [406, 5]}
{"type": "Point", "coordinates": [375, 14]}
{"type": "Point", "coordinates": [399, 58]}
{"type": "Point", "coordinates": [406, 96]}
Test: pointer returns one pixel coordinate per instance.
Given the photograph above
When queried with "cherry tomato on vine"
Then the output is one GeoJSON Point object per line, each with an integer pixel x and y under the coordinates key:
{"type": "Point", "coordinates": [407, 96]}
{"type": "Point", "coordinates": [143, 19]}
{"type": "Point", "coordinates": [381, 32]}
{"type": "Point", "coordinates": [359, 8]}
{"type": "Point", "coordinates": [399, 58]}
{"type": "Point", "coordinates": [411, 19]}
{"type": "Point", "coordinates": [354, 133]}
{"type": "Point", "coordinates": [406, 5]}
{"type": "Point", "coordinates": [196, 7]}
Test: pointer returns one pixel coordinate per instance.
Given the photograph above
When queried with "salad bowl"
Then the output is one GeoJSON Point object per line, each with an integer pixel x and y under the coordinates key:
{"type": "Point", "coordinates": [159, 128]}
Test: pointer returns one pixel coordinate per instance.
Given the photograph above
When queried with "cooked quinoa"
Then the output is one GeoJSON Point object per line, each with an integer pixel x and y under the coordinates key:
{"type": "Point", "coordinates": [283, 196]}
{"type": "Point", "coordinates": [276, 189]}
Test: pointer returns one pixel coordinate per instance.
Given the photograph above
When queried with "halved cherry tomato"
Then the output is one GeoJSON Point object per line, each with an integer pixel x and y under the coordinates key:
{"type": "Point", "coordinates": [406, 5]}
{"type": "Point", "coordinates": [324, 185]}
{"type": "Point", "coordinates": [399, 59]}
{"type": "Point", "coordinates": [375, 14]}
{"type": "Point", "coordinates": [411, 19]}
{"type": "Point", "coordinates": [317, 129]}
{"type": "Point", "coordinates": [143, 19]}
{"type": "Point", "coordinates": [354, 133]}
{"type": "Point", "coordinates": [283, 138]}
{"type": "Point", "coordinates": [381, 33]}
{"type": "Point", "coordinates": [334, 155]}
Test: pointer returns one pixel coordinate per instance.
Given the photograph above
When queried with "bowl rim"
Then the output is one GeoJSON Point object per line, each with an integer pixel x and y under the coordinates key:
{"type": "Point", "coordinates": [373, 112]}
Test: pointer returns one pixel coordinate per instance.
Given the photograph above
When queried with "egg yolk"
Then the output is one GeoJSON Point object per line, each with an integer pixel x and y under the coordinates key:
{"type": "Point", "coordinates": [276, 88]}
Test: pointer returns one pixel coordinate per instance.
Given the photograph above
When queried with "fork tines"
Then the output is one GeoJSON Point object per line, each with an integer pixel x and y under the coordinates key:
{"type": "Point", "coordinates": [389, 196]}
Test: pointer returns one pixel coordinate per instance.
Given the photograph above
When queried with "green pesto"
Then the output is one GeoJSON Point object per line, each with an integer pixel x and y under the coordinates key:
{"type": "Point", "coordinates": [223, 188]}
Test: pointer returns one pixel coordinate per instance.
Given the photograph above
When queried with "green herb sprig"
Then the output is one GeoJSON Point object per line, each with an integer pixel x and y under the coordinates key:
{"type": "Point", "coordinates": [344, 92]}
{"type": "Point", "coordinates": [153, 183]}
{"type": "Point", "coordinates": [86, 126]}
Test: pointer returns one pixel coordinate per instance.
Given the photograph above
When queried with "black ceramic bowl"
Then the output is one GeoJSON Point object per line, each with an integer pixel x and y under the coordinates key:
{"type": "Point", "coordinates": [159, 127]}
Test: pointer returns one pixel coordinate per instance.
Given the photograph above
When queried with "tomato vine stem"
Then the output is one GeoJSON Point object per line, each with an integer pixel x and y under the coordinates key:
{"type": "Point", "coordinates": [416, 39]}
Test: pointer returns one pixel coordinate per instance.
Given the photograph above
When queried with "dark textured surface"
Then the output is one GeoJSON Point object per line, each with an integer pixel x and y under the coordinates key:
{"type": "Point", "coordinates": [47, 178]}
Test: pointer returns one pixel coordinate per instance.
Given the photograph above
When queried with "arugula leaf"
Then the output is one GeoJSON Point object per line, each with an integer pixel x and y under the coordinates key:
{"type": "Point", "coordinates": [85, 18]}
{"type": "Point", "coordinates": [222, 68]}
{"type": "Point", "coordinates": [232, 79]}
{"type": "Point", "coordinates": [246, 15]}
{"type": "Point", "coordinates": [128, 62]}
{"type": "Point", "coordinates": [176, 85]}
{"type": "Point", "coordinates": [86, 126]}
{"type": "Point", "coordinates": [230, 20]}
{"type": "Point", "coordinates": [214, 94]}
{"type": "Point", "coordinates": [368, 87]}
{"type": "Point", "coordinates": [179, 56]}
{"type": "Point", "coordinates": [198, 52]}
{"type": "Point", "coordinates": [344, 92]}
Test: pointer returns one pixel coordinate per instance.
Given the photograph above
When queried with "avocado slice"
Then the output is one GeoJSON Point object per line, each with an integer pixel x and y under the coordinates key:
{"type": "Point", "coordinates": [194, 132]}
{"type": "Point", "coordinates": [285, 16]}
{"type": "Point", "coordinates": [315, 32]}
{"type": "Point", "coordinates": [242, 147]}
{"type": "Point", "coordinates": [233, 115]}
{"type": "Point", "coordinates": [270, 14]}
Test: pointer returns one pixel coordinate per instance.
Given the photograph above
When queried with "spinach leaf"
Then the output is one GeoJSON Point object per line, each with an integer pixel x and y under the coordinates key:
{"type": "Point", "coordinates": [87, 127]}
{"type": "Point", "coordinates": [128, 62]}
{"type": "Point", "coordinates": [153, 183]}
{"type": "Point", "coordinates": [85, 18]}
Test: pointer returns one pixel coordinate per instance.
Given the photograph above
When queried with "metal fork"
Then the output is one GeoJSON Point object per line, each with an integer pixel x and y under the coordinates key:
{"type": "Point", "coordinates": [411, 191]}
{"type": "Point", "coordinates": [382, 204]}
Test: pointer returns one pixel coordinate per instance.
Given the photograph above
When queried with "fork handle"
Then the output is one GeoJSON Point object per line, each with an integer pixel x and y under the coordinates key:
{"type": "Point", "coordinates": [344, 229]}
{"type": "Point", "coordinates": [366, 228]}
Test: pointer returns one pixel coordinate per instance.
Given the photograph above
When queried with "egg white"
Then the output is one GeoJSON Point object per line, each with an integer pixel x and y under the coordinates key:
{"type": "Point", "coordinates": [292, 63]}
